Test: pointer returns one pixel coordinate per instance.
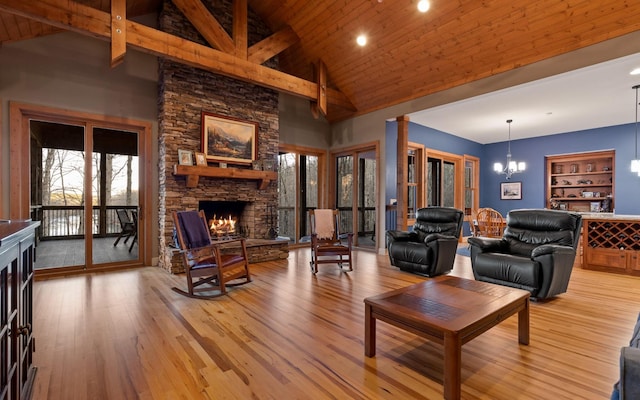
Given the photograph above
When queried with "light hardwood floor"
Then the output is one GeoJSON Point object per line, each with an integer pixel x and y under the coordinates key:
{"type": "Point", "coordinates": [291, 335]}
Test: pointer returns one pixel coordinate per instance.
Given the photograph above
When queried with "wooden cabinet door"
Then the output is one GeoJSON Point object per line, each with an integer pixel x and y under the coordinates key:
{"type": "Point", "coordinates": [605, 258]}
{"type": "Point", "coordinates": [25, 315]}
{"type": "Point", "coordinates": [9, 259]}
{"type": "Point", "coordinates": [633, 260]}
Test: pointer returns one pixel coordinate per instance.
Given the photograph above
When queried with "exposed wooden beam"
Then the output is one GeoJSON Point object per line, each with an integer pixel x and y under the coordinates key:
{"type": "Point", "coordinates": [273, 45]}
{"type": "Point", "coordinates": [322, 88]}
{"type": "Point", "coordinates": [86, 20]}
{"type": "Point", "coordinates": [118, 31]}
{"type": "Point", "coordinates": [206, 24]}
{"type": "Point", "coordinates": [240, 28]}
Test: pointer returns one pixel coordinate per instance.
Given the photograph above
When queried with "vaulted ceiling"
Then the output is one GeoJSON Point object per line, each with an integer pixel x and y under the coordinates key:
{"type": "Point", "coordinates": [409, 54]}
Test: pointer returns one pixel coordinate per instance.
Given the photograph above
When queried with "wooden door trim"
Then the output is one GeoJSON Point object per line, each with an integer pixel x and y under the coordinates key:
{"type": "Point", "coordinates": [352, 151]}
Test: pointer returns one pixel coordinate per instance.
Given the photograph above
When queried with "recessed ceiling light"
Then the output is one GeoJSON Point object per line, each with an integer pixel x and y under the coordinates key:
{"type": "Point", "coordinates": [636, 71]}
{"type": "Point", "coordinates": [423, 6]}
{"type": "Point", "coordinates": [361, 40]}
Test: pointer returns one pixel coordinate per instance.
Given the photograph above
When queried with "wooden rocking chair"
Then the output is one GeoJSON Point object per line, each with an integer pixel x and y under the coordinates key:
{"type": "Point", "coordinates": [209, 270]}
{"type": "Point", "coordinates": [326, 243]}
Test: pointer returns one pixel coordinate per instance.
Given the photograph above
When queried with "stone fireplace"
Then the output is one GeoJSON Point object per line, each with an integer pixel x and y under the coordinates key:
{"type": "Point", "coordinates": [186, 92]}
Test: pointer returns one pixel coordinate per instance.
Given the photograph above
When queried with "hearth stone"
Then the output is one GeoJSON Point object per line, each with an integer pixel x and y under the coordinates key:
{"type": "Point", "coordinates": [258, 250]}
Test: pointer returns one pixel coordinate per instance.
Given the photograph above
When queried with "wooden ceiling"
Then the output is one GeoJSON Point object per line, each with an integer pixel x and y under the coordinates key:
{"type": "Point", "coordinates": [408, 55]}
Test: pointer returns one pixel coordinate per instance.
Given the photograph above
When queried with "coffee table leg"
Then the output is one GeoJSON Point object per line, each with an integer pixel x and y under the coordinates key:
{"type": "Point", "coordinates": [369, 332]}
{"type": "Point", "coordinates": [452, 363]}
{"type": "Point", "coordinates": [523, 323]}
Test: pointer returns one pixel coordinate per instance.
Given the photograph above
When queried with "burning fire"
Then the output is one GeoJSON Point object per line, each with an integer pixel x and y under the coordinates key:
{"type": "Point", "coordinates": [222, 226]}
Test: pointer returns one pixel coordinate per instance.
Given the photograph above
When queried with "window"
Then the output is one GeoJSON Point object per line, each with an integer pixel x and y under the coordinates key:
{"type": "Point", "coordinates": [415, 181]}
{"type": "Point", "coordinates": [471, 184]}
{"type": "Point", "coordinates": [300, 178]}
{"type": "Point", "coordinates": [355, 172]}
{"type": "Point", "coordinates": [444, 179]}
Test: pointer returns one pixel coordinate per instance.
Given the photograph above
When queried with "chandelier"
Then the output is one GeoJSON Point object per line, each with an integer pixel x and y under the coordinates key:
{"type": "Point", "coordinates": [511, 167]}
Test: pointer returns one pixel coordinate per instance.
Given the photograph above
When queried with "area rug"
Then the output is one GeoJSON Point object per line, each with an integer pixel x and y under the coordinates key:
{"type": "Point", "coordinates": [464, 251]}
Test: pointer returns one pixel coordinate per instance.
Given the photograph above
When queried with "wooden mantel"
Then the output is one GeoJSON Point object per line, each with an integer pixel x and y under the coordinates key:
{"type": "Point", "coordinates": [193, 174]}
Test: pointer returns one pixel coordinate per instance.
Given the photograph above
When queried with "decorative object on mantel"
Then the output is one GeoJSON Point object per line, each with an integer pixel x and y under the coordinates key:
{"type": "Point", "coordinates": [229, 139]}
{"type": "Point", "coordinates": [223, 165]}
{"type": "Point", "coordinates": [201, 159]}
{"type": "Point", "coordinates": [511, 167]}
{"type": "Point", "coordinates": [635, 163]}
{"type": "Point", "coordinates": [268, 165]}
{"type": "Point", "coordinates": [185, 157]}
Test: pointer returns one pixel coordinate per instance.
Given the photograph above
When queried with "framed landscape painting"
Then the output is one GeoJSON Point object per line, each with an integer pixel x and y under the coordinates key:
{"type": "Point", "coordinates": [511, 191]}
{"type": "Point", "coordinates": [226, 139]}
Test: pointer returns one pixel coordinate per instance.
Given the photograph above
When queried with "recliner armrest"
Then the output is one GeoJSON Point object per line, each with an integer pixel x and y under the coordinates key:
{"type": "Point", "coordinates": [551, 249]}
{"type": "Point", "coordinates": [435, 236]}
{"type": "Point", "coordinates": [402, 236]}
{"type": "Point", "coordinates": [629, 373]}
{"type": "Point", "coordinates": [487, 245]}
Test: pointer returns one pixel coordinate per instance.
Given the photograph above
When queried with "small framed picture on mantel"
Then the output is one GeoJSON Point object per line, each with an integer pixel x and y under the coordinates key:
{"type": "Point", "coordinates": [185, 157]}
{"type": "Point", "coordinates": [201, 159]}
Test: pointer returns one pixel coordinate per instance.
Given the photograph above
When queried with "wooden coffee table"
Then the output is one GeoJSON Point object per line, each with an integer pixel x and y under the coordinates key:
{"type": "Point", "coordinates": [449, 310]}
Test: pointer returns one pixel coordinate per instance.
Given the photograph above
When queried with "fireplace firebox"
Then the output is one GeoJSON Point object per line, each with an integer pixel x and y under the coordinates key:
{"type": "Point", "coordinates": [226, 218]}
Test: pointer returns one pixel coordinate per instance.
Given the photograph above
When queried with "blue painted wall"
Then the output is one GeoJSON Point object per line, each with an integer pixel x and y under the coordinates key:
{"type": "Point", "coordinates": [431, 138]}
{"type": "Point", "coordinates": [620, 138]}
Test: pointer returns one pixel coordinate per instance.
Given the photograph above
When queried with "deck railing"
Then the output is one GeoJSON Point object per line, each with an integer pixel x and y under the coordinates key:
{"type": "Point", "coordinates": [68, 221]}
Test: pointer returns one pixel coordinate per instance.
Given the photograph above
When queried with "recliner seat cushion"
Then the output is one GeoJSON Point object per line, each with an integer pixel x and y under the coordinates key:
{"type": "Point", "coordinates": [522, 272]}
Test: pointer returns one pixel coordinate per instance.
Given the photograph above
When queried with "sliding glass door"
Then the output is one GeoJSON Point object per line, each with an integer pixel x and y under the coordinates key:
{"type": "Point", "coordinates": [300, 177]}
{"type": "Point", "coordinates": [115, 194]}
{"type": "Point", "coordinates": [82, 175]}
{"type": "Point", "coordinates": [356, 178]}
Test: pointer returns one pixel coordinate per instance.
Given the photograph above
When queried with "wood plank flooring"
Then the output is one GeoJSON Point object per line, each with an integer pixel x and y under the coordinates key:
{"type": "Point", "coordinates": [292, 335]}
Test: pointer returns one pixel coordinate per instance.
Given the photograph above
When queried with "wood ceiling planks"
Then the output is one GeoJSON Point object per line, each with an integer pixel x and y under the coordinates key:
{"type": "Point", "coordinates": [410, 54]}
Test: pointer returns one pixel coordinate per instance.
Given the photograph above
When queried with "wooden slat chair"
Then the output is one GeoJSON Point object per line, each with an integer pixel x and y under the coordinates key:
{"type": "Point", "coordinates": [127, 227]}
{"type": "Point", "coordinates": [209, 271]}
{"type": "Point", "coordinates": [134, 220]}
{"type": "Point", "coordinates": [490, 223]}
{"type": "Point", "coordinates": [326, 243]}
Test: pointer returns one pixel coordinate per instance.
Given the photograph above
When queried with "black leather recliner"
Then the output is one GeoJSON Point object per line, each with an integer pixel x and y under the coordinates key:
{"type": "Point", "coordinates": [536, 252]}
{"type": "Point", "coordinates": [430, 248]}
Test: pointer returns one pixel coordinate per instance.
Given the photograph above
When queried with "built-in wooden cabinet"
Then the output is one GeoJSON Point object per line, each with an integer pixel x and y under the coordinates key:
{"type": "Point", "coordinates": [582, 182]}
{"type": "Point", "coordinates": [612, 244]}
{"type": "Point", "coordinates": [17, 251]}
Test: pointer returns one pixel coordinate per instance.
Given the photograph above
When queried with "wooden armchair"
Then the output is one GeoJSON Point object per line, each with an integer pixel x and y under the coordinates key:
{"type": "Point", "coordinates": [490, 223]}
{"type": "Point", "coordinates": [326, 241]}
{"type": "Point", "coordinates": [128, 227]}
{"type": "Point", "coordinates": [209, 270]}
